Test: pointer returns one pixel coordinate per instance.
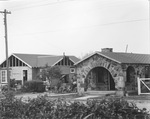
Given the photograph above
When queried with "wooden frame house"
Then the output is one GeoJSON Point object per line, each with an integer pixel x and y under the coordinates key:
{"type": "Point", "coordinates": [25, 67]}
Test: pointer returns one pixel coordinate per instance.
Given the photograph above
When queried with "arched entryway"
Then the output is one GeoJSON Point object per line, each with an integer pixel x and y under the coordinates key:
{"type": "Point", "coordinates": [99, 78]}
{"type": "Point", "coordinates": [130, 78]}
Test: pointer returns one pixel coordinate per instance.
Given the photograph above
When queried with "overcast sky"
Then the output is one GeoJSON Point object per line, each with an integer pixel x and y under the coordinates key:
{"type": "Point", "coordinates": [75, 27]}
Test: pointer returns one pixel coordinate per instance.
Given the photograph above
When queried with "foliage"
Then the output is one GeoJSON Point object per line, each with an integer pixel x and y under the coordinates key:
{"type": "Point", "coordinates": [49, 73]}
{"type": "Point", "coordinates": [33, 86]}
{"type": "Point", "coordinates": [67, 88]}
{"type": "Point", "coordinates": [13, 85]}
{"type": "Point", "coordinates": [44, 107]}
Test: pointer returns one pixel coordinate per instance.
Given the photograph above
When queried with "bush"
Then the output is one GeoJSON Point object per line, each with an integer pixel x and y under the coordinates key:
{"type": "Point", "coordinates": [44, 107]}
{"type": "Point", "coordinates": [33, 86]}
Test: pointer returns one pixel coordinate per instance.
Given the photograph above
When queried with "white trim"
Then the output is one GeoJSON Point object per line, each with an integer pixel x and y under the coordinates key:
{"type": "Point", "coordinates": [98, 54]}
{"type": "Point", "coordinates": [139, 81]}
{"type": "Point", "coordinates": [85, 58]}
{"type": "Point", "coordinates": [5, 60]}
{"type": "Point", "coordinates": [18, 58]}
{"type": "Point", "coordinates": [22, 60]}
{"type": "Point", "coordinates": [57, 62]}
{"type": "Point", "coordinates": [71, 70]}
{"type": "Point", "coordinates": [72, 60]}
{"type": "Point", "coordinates": [109, 57]}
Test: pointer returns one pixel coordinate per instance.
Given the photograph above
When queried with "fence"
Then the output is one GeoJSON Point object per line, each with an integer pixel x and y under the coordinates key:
{"type": "Point", "coordinates": [143, 85]}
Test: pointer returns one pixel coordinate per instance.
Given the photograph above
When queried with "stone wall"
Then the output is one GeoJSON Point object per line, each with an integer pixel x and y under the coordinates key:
{"type": "Point", "coordinates": [139, 72]}
{"type": "Point", "coordinates": [115, 69]}
{"type": "Point", "coordinates": [96, 60]}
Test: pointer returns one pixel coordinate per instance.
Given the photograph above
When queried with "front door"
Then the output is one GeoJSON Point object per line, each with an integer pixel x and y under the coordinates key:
{"type": "Point", "coordinates": [25, 76]}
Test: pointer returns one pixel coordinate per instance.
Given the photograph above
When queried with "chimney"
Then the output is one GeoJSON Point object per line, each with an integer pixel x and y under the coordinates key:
{"type": "Point", "coordinates": [107, 50]}
{"type": "Point", "coordinates": [64, 54]}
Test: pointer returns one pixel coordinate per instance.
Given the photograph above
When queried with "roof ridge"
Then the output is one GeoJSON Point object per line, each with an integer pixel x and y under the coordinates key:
{"type": "Point", "coordinates": [47, 56]}
{"type": "Point", "coordinates": [30, 54]}
{"type": "Point", "coordinates": [124, 53]}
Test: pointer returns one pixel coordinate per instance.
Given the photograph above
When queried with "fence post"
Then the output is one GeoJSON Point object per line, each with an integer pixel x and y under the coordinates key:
{"type": "Point", "coordinates": [139, 86]}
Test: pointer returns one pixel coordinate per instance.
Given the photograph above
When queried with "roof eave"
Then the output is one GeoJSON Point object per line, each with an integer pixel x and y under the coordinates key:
{"type": "Point", "coordinates": [98, 54]}
{"type": "Point", "coordinates": [109, 58]}
{"type": "Point", "coordinates": [57, 61]}
{"type": "Point", "coordinates": [22, 61]}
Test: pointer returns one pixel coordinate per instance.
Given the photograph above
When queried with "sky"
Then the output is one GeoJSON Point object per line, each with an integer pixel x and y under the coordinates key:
{"type": "Point", "coordinates": [76, 27]}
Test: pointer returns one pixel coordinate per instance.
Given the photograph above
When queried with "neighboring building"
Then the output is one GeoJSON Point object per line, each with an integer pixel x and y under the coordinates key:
{"type": "Point", "coordinates": [25, 67]}
{"type": "Point", "coordinates": [99, 70]}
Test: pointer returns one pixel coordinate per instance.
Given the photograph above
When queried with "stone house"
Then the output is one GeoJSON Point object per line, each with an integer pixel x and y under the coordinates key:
{"type": "Point", "coordinates": [99, 70]}
{"type": "Point", "coordinates": [25, 67]}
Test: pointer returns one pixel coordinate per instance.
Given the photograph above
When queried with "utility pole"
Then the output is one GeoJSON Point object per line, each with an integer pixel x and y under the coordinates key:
{"type": "Point", "coordinates": [5, 12]}
{"type": "Point", "coordinates": [126, 48]}
{"type": "Point", "coordinates": [149, 18]}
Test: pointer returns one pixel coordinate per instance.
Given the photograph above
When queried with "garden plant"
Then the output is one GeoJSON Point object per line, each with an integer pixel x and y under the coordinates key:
{"type": "Point", "coordinates": [44, 107]}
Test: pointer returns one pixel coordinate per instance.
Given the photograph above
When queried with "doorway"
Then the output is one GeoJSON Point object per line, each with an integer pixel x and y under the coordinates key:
{"type": "Point", "coordinates": [25, 75]}
{"type": "Point", "coordinates": [101, 78]}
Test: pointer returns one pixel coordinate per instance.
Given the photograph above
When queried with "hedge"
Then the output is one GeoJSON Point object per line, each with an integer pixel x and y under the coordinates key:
{"type": "Point", "coordinates": [33, 86]}
{"type": "Point", "coordinates": [44, 107]}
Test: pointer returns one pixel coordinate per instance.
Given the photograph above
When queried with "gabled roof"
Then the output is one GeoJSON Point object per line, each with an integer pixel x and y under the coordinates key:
{"type": "Point", "coordinates": [49, 60]}
{"type": "Point", "coordinates": [128, 57]}
{"type": "Point", "coordinates": [131, 58]}
{"type": "Point", "coordinates": [29, 59]}
{"type": "Point", "coordinates": [39, 60]}
{"type": "Point", "coordinates": [52, 60]}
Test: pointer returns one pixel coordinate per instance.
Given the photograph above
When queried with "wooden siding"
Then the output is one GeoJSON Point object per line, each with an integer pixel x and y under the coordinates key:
{"type": "Point", "coordinates": [13, 62]}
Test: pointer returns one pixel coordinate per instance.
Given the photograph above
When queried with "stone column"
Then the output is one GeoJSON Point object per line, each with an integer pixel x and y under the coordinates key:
{"type": "Point", "coordinates": [120, 86]}
{"type": "Point", "coordinates": [80, 85]}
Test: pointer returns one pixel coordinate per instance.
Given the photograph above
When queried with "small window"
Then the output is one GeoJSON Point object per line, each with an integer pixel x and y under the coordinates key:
{"type": "Point", "coordinates": [72, 70]}
{"type": "Point", "coordinates": [3, 76]}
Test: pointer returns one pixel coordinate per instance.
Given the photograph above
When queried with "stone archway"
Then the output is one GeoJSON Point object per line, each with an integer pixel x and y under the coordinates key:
{"type": "Point", "coordinates": [86, 66]}
{"type": "Point", "coordinates": [100, 79]}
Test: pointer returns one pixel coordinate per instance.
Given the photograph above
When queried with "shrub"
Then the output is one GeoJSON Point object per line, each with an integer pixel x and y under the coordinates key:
{"type": "Point", "coordinates": [44, 107]}
{"type": "Point", "coordinates": [33, 86]}
{"type": "Point", "coordinates": [12, 83]}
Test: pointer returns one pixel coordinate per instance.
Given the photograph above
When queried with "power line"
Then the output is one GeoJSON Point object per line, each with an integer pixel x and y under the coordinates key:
{"type": "Point", "coordinates": [52, 3]}
{"type": "Point", "coordinates": [85, 27]}
{"type": "Point", "coordinates": [38, 18]}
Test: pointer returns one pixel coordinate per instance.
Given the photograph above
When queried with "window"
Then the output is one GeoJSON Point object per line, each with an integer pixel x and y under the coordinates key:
{"type": "Point", "coordinates": [3, 76]}
{"type": "Point", "coordinates": [72, 70]}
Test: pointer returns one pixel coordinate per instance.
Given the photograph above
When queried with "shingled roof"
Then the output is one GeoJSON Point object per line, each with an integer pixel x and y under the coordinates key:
{"type": "Point", "coordinates": [52, 60]}
{"type": "Point", "coordinates": [131, 58]}
{"type": "Point", "coordinates": [39, 60]}
{"type": "Point", "coordinates": [128, 57]}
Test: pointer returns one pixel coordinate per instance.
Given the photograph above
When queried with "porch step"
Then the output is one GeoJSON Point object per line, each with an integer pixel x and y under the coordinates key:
{"type": "Point", "coordinates": [100, 92]}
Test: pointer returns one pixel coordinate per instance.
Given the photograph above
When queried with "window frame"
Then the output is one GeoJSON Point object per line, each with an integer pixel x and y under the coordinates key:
{"type": "Point", "coordinates": [72, 69]}
{"type": "Point", "coordinates": [3, 76]}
